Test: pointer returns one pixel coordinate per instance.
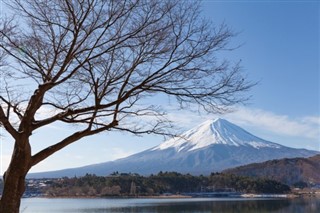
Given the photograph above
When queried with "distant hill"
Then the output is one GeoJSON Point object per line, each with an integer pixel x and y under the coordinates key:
{"type": "Point", "coordinates": [291, 171]}
{"type": "Point", "coordinates": [212, 146]}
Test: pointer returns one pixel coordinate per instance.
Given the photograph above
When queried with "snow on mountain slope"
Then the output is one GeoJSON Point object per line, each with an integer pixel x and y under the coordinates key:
{"type": "Point", "coordinates": [211, 132]}
{"type": "Point", "coordinates": [212, 146]}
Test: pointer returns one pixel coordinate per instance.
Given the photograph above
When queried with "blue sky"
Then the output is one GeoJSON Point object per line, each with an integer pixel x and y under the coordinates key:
{"type": "Point", "coordinates": [280, 49]}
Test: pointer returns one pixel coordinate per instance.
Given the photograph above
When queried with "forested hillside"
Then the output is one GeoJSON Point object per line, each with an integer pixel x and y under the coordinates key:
{"type": "Point", "coordinates": [300, 172]}
{"type": "Point", "coordinates": [164, 182]}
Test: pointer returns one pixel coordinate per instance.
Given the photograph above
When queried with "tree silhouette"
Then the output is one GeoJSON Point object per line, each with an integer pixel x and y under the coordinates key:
{"type": "Point", "coordinates": [91, 64]}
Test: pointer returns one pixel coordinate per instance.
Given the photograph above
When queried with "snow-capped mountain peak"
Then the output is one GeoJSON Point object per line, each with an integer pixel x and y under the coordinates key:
{"type": "Point", "coordinates": [218, 131]}
{"type": "Point", "coordinates": [209, 147]}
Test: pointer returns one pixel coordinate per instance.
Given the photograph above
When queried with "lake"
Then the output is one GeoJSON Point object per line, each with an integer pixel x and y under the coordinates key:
{"type": "Point", "coordinates": [185, 205]}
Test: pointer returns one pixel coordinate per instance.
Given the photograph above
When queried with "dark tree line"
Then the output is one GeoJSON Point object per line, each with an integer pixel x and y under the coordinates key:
{"type": "Point", "coordinates": [163, 182]}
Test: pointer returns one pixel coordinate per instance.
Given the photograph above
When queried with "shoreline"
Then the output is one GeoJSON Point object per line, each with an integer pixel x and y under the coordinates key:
{"type": "Point", "coordinates": [113, 197]}
{"type": "Point", "coordinates": [178, 196]}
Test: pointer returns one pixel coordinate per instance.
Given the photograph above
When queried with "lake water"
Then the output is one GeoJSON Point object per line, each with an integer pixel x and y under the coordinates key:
{"type": "Point", "coordinates": [185, 205]}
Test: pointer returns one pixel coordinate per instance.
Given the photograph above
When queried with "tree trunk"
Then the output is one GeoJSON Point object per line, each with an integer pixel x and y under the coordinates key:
{"type": "Point", "coordinates": [14, 179]}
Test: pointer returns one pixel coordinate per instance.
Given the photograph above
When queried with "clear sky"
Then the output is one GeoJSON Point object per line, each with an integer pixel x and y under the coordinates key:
{"type": "Point", "coordinates": [280, 49]}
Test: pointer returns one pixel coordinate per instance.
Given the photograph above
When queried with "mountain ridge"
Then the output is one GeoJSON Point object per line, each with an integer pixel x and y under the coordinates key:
{"type": "Point", "coordinates": [288, 170]}
{"type": "Point", "coordinates": [212, 146]}
{"type": "Point", "coordinates": [218, 131]}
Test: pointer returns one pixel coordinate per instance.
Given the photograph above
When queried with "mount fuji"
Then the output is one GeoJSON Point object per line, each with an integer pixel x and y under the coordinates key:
{"type": "Point", "coordinates": [212, 146]}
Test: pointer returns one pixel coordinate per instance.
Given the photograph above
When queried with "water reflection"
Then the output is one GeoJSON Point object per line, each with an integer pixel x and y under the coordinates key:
{"type": "Point", "coordinates": [311, 205]}
{"type": "Point", "coordinates": [211, 206]}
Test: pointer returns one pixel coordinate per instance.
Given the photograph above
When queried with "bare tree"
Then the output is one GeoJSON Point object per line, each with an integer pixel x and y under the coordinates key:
{"type": "Point", "coordinates": [93, 62]}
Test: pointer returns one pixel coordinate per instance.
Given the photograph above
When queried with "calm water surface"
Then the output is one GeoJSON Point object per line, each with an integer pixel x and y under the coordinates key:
{"type": "Point", "coordinates": [194, 205]}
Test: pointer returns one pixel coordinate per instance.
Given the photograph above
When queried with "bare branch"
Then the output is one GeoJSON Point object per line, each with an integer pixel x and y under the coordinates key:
{"type": "Point", "coordinates": [7, 125]}
{"type": "Point", "coordinates": [93, 63]}
{"type": "Point", "coordinates": [40, 156]}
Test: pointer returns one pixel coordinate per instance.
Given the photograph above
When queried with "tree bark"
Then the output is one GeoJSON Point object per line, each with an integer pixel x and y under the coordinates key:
{"type": "Point", "coordinates": [14, 179]}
